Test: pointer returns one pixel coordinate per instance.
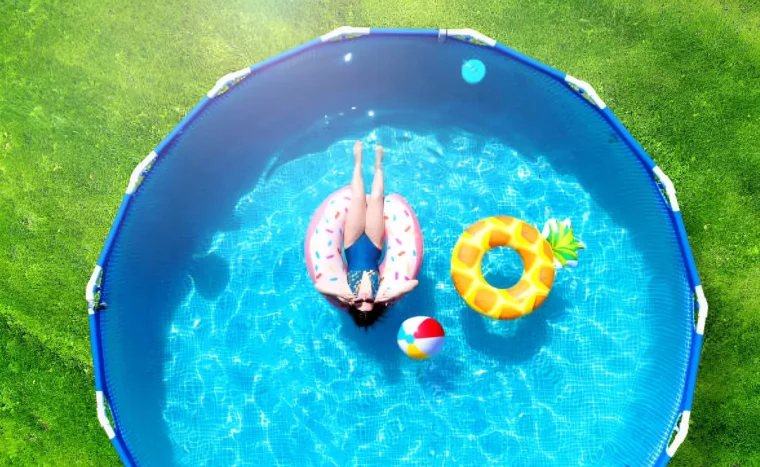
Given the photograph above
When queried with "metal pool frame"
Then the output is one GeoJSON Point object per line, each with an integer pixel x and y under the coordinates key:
{"type": "Point", "coordinates": [585, 90]}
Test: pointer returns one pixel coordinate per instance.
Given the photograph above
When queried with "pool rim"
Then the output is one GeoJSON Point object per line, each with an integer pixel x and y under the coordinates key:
{"type": "Point", "coordinates": [584, 90]}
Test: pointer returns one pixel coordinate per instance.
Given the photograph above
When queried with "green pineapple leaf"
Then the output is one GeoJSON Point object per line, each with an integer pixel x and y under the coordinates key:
{"type": "Point", "coordinates": [564, 244]}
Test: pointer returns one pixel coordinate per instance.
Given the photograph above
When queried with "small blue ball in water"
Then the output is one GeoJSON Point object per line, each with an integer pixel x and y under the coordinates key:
{"type": "Point", "coordinates": [473, 71]}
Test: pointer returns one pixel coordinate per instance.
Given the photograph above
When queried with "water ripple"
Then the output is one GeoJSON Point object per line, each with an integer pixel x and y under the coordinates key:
{"type": "Point", "coordinates": [264, 374]}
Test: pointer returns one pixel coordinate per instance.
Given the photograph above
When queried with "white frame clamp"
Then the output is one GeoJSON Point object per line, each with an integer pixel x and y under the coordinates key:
{"type": "Point", "coordinates": [102, 416]}
{"type": "Point", "coordinates": [702, 301]}
{"type": "Point", "coordinates": [670, 189]}
{"type": "Point", "coordinates": [467, 34]}
{"type": "Point", "coordinates": [344, 31]}
{"type": "Point", "coordinates": [682, 429]}
{"type": "Point", "coordinates": [89, 294]}
{"type": "Point", "coordinates": [139, 172]}
{"type": "Point", "coordinates": [588, 89]}
{"type": "Point", "coordinates": [227, 80]}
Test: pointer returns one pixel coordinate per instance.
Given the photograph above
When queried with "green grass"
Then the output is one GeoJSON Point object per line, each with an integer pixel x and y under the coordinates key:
{"type": "Point", "coordinates": [46, 406]}
{"type": "Point", "coordinates": [88, 88]}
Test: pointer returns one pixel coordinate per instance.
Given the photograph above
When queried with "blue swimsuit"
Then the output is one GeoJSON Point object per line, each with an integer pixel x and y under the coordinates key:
{"type": "Point", "coordinates": [363, 256]}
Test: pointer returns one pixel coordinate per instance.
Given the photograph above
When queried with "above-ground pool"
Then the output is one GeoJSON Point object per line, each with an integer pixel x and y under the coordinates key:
{"type": "Point", "coordinates": [212, 347]}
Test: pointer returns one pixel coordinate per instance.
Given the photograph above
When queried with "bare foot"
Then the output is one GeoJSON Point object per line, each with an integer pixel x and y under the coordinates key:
{"type": "Point", "coordinates": [358, 153]}
{"type": "Point", "coordinates": [379, 151]}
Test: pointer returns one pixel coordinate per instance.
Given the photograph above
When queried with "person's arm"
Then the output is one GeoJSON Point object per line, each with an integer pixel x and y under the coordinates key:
{"type": "Point", "coordinates": [327, 288]}
{"type": "Point", "coordinates": [337, 289]}
{"type": "Point", "coordinates": [385, 295]}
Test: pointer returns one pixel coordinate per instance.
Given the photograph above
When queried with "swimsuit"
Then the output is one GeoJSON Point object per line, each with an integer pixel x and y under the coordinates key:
{"type": "Point", "coordinates": [363, 256]}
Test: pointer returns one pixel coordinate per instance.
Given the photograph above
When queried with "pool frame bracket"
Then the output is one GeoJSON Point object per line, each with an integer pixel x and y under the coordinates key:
{"type": "Point", "coordinates": [102, 416]}
{"type": "Point", "coordinates": [227, 81]}
{"type": "Point", "coordinates": [682, 429]}
{"type": "Point", "coordinates": [466, 35]}
{"type": "Point", "coordinates": [344, 31]}
{"type": "Point", "coordinates": [702, 304]}
{"type": "Point", "coordinates": [670, 189]}
{"type": "Point", "coordinates": [92, 289]}
{"type": "Point", "coordinates": [139, 172]}
{"type": "Point", "coordinates": [587, 89]}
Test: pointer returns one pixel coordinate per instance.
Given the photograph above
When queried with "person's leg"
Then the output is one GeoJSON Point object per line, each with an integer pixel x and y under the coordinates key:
{"type": "Point", "coordinates": [375, 225]}
{"type": "Point", "coordinates": [355, 219]}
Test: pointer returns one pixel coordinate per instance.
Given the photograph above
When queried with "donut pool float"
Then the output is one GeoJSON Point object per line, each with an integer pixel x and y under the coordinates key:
{"type": "Point", "coordinates": [324, 242]}
{"type": "Point", "coordinates": [540, 259]}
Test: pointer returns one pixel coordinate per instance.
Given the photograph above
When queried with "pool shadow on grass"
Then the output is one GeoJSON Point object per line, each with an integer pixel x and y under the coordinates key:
{"type": "Point", "coordinates": [379, 341]}
{"type": "Point", "coordinates": [515, 341]}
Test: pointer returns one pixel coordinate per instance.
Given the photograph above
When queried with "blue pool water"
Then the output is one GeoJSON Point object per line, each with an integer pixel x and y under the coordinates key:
{"type": "Point", "coordinates": [266, 372]}
{"type": "Point", "coordinates": [217, 350]}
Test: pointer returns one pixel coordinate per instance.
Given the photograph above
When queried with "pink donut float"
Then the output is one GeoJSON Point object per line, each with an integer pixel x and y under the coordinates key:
{"type": "Point", "coordinates": [324, 242]}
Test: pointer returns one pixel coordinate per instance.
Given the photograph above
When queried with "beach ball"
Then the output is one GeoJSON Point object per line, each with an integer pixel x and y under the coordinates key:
{"type": "Point", "coordinates": [420, 337]}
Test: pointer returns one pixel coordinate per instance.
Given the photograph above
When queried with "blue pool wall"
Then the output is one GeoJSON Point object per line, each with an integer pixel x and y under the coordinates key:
{"type": "Point", "coordinates": [240, 170]}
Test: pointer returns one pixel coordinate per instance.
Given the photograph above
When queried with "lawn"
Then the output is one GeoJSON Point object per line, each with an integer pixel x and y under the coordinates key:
{"type": "Point", "coordinates": [88, 88]}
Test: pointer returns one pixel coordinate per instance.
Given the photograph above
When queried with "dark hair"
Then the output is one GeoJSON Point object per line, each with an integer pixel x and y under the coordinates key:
{"type": "Point", "coordinates": [367, 319]}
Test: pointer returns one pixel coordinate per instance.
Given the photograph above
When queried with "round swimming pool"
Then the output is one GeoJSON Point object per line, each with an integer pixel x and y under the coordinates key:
{"type": "Point", "coordinates": [215, 348]}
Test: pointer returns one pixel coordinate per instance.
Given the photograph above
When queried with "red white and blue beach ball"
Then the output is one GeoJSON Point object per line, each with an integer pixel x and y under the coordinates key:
{"type": "Point", "coordinates": [421, 337]}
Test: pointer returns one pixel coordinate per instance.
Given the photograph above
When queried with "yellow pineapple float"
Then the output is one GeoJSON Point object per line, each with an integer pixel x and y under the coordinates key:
{"type": "Point", "coordinates": [542, 253]}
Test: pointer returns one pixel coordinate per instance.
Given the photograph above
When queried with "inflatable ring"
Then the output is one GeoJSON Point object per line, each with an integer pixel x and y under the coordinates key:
{"type": "Point", "coordinates": [323, 248]}
{"type": "Point", "coordinates": [538, 263]}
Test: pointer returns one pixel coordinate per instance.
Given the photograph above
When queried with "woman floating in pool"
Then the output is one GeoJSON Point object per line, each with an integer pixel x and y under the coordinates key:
{"type": "Point", "coordinates": [361, 285]}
